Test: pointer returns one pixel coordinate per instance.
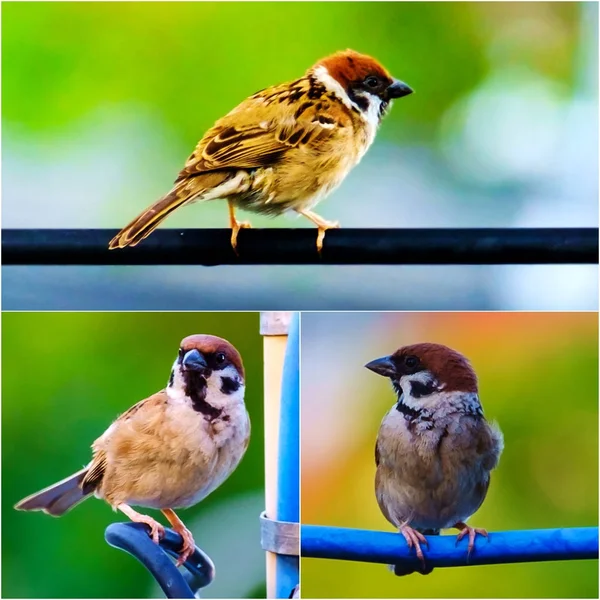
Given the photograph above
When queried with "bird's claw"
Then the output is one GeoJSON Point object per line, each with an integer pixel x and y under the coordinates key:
{"type": "Point", "coordinates": [188, 546]}
{"type": "Point", "coordinates": [236, 226]}
{"type": "Point", "coordinates": [414, 539]}
{"type": "Point", "coordinates": [472, 533]}
{"type": "Point", "coordinates": [321, 233]}
{"type": "Point", "coordinates": [157, 531]}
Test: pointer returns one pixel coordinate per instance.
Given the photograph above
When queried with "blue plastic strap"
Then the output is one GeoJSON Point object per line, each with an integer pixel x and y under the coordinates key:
{"type": "Point", "coordinates": [133, 538]}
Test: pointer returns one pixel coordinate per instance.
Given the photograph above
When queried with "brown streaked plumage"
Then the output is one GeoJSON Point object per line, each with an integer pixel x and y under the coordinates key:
{"type": "Point", "coordinates": [284, 148]}
{"type": "Point", "coordinates": [435, 450]}
{"type": "Point", "coordinates": [170, 450]}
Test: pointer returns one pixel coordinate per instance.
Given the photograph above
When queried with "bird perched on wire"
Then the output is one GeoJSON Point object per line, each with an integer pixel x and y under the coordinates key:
{"type": "Point", "coordinates": [284, 148]}
{"type": "Point", "coordinates": [435, 449]}
{"type": "Point", "coordinates": [170, 450]}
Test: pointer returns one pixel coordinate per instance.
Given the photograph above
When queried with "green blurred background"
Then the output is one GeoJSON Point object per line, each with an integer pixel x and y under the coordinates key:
{"type": "Point", "coordinates": [65, 377]}
{"type": "Point", "coordinates": [538, 376]}
{"type": "Point", "coordinates": [103, 102]}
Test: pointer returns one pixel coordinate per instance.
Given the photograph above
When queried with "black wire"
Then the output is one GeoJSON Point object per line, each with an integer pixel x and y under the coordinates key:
{"type": "Point", "coordinates": [298, 246]}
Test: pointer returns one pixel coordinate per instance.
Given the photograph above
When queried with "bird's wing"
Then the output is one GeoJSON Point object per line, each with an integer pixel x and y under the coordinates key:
{"type": "Point", "coordinates": [99, 463]}
{"type": "Point", "coordinates": [264, 127]}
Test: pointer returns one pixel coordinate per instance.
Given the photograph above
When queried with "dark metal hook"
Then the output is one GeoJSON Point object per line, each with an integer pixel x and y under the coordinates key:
{"type": "Point", "coordinates": [133, 538]}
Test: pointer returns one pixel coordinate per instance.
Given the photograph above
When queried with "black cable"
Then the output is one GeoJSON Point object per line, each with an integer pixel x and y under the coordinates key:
{"type": "Point", "coordinates": [298, 246]}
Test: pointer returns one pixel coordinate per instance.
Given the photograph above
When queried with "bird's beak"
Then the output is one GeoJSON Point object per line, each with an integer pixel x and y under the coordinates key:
{"type": "Point", "coordinates": [194, 361]}
{"type": "Point", "coordinates": [398, 89]}
{"type": "Point", "coordinates": [383, 366]}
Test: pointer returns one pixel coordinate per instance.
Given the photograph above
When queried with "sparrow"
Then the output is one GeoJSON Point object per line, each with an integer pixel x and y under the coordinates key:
{"type": "Point", "coordinates": [284, 148]}
{"type": "Point", "coordinates": [170, 450]}
{"type": "Point", "coordinates": [435, 450]}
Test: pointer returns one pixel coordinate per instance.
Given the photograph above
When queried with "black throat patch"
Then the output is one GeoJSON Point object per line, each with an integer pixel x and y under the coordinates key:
{"type": "Point", "coordinates": [408, 411]}
{"type": "Point", "coordinates": [195, 389]}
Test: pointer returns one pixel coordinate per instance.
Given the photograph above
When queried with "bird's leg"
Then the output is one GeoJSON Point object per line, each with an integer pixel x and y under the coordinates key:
{"type": "Point", "coordinates": [414, 539]}
{"type": "Point", "coordinates": [471, 532]}
{"type": "Point", "coordinates": [322, 225]}
{"type": "Point", "coordinates": [156, 529]}
{"type": "Point", "coordinates": [188, 547]}
{"type": "Point", "coordinates": [235, 225]}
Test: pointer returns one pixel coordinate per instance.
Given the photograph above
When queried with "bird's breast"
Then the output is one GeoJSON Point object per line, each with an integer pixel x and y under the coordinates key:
{"type": "Point", "coordinates": [425, 478]}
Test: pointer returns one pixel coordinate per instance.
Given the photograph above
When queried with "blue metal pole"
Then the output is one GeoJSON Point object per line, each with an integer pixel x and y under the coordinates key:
{"type": "Point", "coordinates": [501, 547]}
{"type": "Point", "coordinates": [288, 482]}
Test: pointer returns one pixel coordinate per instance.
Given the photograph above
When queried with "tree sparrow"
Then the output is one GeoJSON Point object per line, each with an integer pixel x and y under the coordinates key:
{"type": "Point", "coordinates": [170, 450]}
{"type": "Point", "coordinates": [284, 148]}
{"type": "Point", "coordinates": [434, 450]}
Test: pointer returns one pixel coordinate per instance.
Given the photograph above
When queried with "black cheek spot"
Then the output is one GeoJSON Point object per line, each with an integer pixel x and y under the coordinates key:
{"type": "Point", "coordinates": [419, 389]}
{"type": "Point", "coordinates": [229, 385]}
{"type": "Point", "coordinates": [171, 378]}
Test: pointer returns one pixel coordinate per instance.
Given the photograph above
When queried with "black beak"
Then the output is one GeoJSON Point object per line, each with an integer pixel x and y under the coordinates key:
{"type": "Point", "coordinates": [383, 366]}
{"type": "Point", "coordinates": [194, 361]}
{"type": "Point", "coordinates": [398, 89]}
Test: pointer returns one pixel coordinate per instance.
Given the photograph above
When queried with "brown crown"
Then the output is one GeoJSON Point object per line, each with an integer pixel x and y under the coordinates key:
{"type": "Point", "coordinates": [447, 365]}
{"type": "Point", "coordinates": [211, 344]}
{"type": "Point", "coordinates": [348, 66]}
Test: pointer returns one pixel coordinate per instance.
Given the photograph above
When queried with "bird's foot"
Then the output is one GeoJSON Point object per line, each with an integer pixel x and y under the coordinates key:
{"type": "Point", "coordinates": [157, 531]}
{"type": "Point", "coordinates": [414, 539]}
{"type": "Point", "coordinates": [189, 546]}
{"type": "Point", "coordinates": [321, 233]}
{"type": "Point", "coordinates": [322, 224]}
{"type": "Point", "coordinates": [471, 532]}
{"type": "Point", "coordinates": [235, 229]}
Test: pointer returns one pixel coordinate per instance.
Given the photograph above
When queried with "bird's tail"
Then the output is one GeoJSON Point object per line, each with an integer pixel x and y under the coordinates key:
{"type": "Point", "coordinates": [58, 498]}
{"type": "Point", "coordinates": [401, 570]}
{"type": "Point", "coordinates": [184, 191]}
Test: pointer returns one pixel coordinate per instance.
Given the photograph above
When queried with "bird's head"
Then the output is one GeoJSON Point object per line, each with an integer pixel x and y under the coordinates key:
{"type": "Point", "coordinates": [420, 372]}
{"type": "Point", "coordinates": [208, 372]}
{"type": "Point", "coordinates": [359, 81]}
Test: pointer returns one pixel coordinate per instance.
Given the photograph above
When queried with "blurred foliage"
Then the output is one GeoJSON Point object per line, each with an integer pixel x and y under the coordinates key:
{"type": "Point", "coordinates": [538, 376]}
{"type": "Point", "coordinates": [194, 61]}
{"type": "Point", "coordinates": [65, 377]}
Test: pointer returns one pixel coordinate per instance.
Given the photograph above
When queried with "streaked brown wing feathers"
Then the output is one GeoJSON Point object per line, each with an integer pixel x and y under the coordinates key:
{"type": "Point", "coordinates": [265, 137]}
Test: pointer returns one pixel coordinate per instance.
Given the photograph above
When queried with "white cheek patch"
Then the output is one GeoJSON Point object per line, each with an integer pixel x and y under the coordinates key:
{"type": "Point", "coordinates": [176, 385]}
{"type": "Point", "coordinates": [225, 387]}
{"type": "Point", "coordinates": [372, 114]}
{"type": "Point", "coordinates": [322, 76]}
{"type": "Point", "coordinates": [425, 378]}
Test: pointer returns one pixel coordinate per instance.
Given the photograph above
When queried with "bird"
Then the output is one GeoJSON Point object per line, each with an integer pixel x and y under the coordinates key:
{"type": "Point", "coordinates": [435, 449]}
{"type": "Point", "coordinates": [284, 148]}
{"type": "Point", "coordinates": [170, 450]}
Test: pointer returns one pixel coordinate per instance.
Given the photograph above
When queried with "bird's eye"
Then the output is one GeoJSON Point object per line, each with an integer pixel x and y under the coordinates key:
{"type": "Point", "coordinates": [372, 81]}
{"type": "Point", "coordinates": [181, 353]}
{"type": "Point", "coordinates": [411, 361]}
{"type": "Point", "coordinates": [220, 358]}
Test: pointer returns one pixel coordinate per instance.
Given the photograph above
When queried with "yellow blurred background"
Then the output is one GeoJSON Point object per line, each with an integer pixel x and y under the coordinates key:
{"type": "Point", "coordinates": [538, 377]}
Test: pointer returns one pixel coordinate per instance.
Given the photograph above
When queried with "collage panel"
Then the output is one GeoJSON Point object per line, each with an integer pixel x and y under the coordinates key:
{"type": "Point", "coordinates": [444, 426]}
{"type": "Point", "coordinates": [181, 410]}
